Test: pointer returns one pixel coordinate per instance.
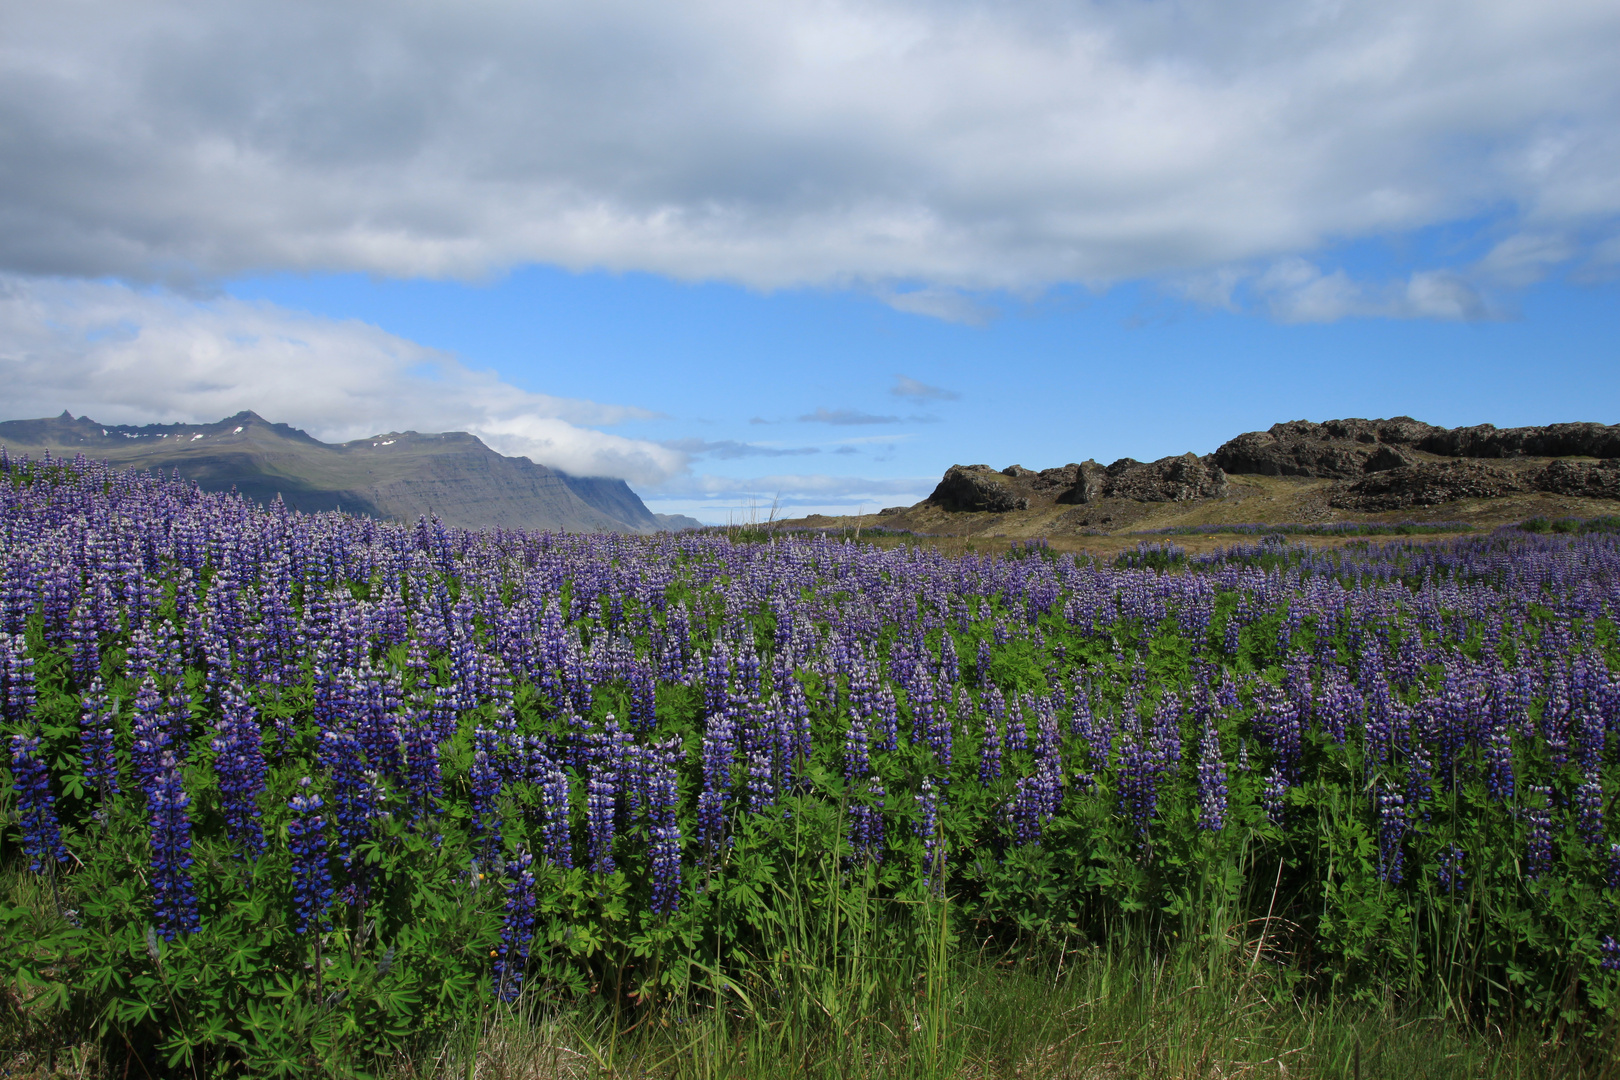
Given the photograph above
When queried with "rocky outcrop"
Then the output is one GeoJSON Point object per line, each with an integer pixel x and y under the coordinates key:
{"type": "Point", "coordinates": [1087, 483]}
{"type": "Point", "coordinates": [1590, 479]}
{"type": "Point", "coordinates": [978, 488]}
{"type": "Point", "coordinates": [1554, 440]}
{"type": "Point", "coordinates": [1427, 485]}
{"type": "Point", "coordinates": [1378, 465]}
{"type": "Point", "coordinates": [1334, 450]}
{"type": "Point", "coordinates": [1171, 479]}
{"type": "Point", "coordinates": [1347, 449]}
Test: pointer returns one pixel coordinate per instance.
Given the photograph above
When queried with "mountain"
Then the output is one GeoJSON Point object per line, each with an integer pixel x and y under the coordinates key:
{"type": "Point", "coordinates": [400, 475]}
{"type": "Point", "coordinates": [1300, 471]}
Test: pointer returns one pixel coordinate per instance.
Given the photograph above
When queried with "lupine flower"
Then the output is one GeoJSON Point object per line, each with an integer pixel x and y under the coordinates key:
{"type": "Point", "coordinates": [311, 861]}
{"type": "Point", "coordinates": [97, 754]}
{"type": "Point", "coordinates": [1391, 832]}
{"type": "Point", "coordinates": [1273, 795]}
{"type": "Point", "coordinates": [174, 901]}
{"type": "Point", "coordinates": [36, 806]}
{"type": "Point", "coordinates": [1450, 874]}
{"type": "Point", "coordinates": [517, 928]}
{"type": "Point", "coordinates": [485, 783]}
{"type": "Point", "coordinates": [602, 792]}
{"type": "Point", "coordinates": [926, 826]}
{"type": "Point", "coordinates": [1538, 855]}
{"type": "Point", "coordinates": [239, 766]}
{"type": "Point", "coordinates": [666, 841]}
{"type": "Point", "coordinates": [866, 824]}
{"type": "Point", "coordinates": [1212, 791]}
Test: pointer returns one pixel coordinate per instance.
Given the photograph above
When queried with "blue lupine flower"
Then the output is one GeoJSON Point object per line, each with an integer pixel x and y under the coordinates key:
{"type": "Point", "coordinates": [97, 755]}
{"type": "Point", "coordinates": [1450, 874]}
{"type": "Point", "coordinates": [36, 806]}
{"type": "Point", "coordinates": [311, 860]}
{"type": "Point", "coordinates": [517, 928]}
{"type": "Point", "coordinates": [1538, 853]}
{"type": "Point", "coordinates": [240, 768]}
{"type": "Point", "coordinates": [174, 901]}
{"type": "Point", "coordinates": [1212, 789]}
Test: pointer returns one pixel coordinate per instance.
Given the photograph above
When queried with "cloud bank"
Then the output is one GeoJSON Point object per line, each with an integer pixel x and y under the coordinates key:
{"type": "Point", "coordinates": [918, 149]}
{"type": "Point", "coordinates": [124, 356]}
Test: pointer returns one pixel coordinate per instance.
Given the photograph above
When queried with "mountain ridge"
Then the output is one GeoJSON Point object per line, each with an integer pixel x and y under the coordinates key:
{"type": "Point", "coordinates": [397, 474]}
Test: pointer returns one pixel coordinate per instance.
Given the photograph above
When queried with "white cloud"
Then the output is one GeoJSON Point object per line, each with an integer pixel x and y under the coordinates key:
{"type": "Point", "coordinates": [1297, 291]}
{"type": "Point", "coordinates": [959, 146]}
{"type": "Point", "coordinates": [124, 356]}
{"type": "Point", "coordinates": [920, 391]}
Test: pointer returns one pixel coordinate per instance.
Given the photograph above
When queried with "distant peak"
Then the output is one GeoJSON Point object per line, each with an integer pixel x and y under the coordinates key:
{"type": "Point", "coordinates": [65, 415]}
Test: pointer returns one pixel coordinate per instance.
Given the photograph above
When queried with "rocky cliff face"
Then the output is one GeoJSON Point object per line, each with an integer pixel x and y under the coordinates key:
{"type": "Point", "coordinates": [1373, 466]}
{"type": "Point", "coordinates": [399, 475]}
{"type": "Point", "coordinates": [1171, 479]}
{"type": "Point", "coordinates": [1349, 449]}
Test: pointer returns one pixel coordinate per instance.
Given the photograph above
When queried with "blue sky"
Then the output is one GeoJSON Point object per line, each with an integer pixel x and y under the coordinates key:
{"type": "Point", "coordinates": [816, 251]}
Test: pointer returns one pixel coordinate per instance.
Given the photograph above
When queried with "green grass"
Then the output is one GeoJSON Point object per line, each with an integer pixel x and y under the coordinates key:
{"type": "Point", "coordinates": [1330, 528]}
{"type": "Point", "coordinates": [859, 986]}
{"type": "Point", "coordinates": [1082, 1014]}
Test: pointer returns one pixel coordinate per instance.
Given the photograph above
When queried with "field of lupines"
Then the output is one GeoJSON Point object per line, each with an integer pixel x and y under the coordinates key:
{"type": "Point", "coordinates": [302, 788]}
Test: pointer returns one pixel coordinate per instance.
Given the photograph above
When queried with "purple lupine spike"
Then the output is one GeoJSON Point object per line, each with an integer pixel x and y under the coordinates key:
{"type": "Point", "coordinates": [240, 769]}
{"type": "Point", "coordinates": [1391, 832]}
{"type": "Point", "coordinates": [97, 755]}
{"type": "Point", "coordinates": [84, 655]}
{"type": "Point", "coordinates": [517, 927]}
{"type": "Point", "coordinates": [1273, 795]}
{"type": "Point", "coordinates": [1017, 731]}
{"type": "Point", "coordinates": [17, 694]}
{"type": "Point", "coordinates": [36, 805]}
{"type": "Point", "coordinates": [1450, 873]}
{"type": "Point", "coordinates": [1212, 789]}
{"type": "Point", "coordinates": [926, 826]}
{"type": "Point", "coordinates": [1538, 853]}
{"type": "Point", "coordinates": [557, 828]}
{"type": "Point", "coordinates": [485, 784]}
{"type": "Point", "coordinates": [424, 783]}
{"type": "Point", "coordinates": [150, 736]}
{"type": "Point", "coordinates": [941, 732]}
{"type": "Point", "coordinates": [1610, 949]}
{"type": "Point", "coordinates": [866, 839]}
{"type": "Point", "coordinates": [666, 839]}
{"type": "Point", "coordinates": [174, 900]}
{"type": "Point", "coordinates": [601, 798]}
{"type": "Point", "coordinates": [311, 861]}
{"type": "Point", "coordinates": [990, 750]}
{"type": "Point", "coordinates": [857, 762]}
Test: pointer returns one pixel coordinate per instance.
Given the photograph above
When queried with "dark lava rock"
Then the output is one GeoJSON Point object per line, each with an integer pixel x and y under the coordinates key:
{"type": "Point", "coordinates": [1344, 449]}
{"type": "Point", "coordinates": [1554, 440]}
{"type": "Point", "coordinates": [1089, 483]}
{"type": "Point", "coordinates": [890, 511]}
{"type": "Point", "coordinates": [1385, 458]}
{"type": "Point", "coordinates": [1592, 479]}
{"type": "Point", "coordinates": [976, 488]}
{"type": "Point", "coordinates": [1170, 479]}
{"type": "Point", "coordinates": [1426, 485]}
{"type": "Point", "coordinates": [1334, 450]}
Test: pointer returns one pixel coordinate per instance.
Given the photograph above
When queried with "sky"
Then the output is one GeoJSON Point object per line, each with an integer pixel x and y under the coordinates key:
{"type": "Point", "coordinates": [810, 254]}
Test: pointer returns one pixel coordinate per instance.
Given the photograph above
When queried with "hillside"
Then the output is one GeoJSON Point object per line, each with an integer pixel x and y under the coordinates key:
{"type": "Point", "coordinates": [1335, 471]}
{"type": "Point", "coordinates": [398, 475]}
